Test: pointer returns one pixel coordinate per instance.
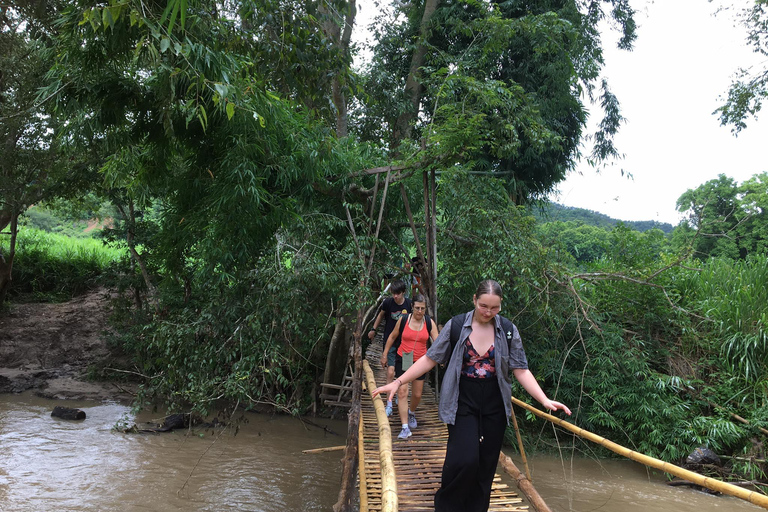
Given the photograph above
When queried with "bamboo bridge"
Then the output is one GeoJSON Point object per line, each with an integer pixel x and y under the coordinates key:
{"type": "Point", "coordinates": [403, 475]}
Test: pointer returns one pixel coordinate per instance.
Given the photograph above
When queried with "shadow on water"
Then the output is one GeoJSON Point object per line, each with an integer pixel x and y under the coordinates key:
{"type": "Point", "coordinates": [52, 464]}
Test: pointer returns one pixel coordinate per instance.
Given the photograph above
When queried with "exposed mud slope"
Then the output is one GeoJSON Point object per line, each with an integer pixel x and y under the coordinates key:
{"type": "Point", "coordinates": [48, 348]}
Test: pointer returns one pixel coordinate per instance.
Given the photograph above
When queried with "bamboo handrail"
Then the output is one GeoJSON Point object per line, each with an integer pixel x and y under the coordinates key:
{"type": "Point", "coordinates": [753, 497]}
{"type": "Point", "coordinates": [389, 499]}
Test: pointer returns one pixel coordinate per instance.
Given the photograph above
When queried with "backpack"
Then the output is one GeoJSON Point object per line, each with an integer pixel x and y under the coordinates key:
{"type": "Point", "coordinates": [407, 319]}
{"type": "Point", "coordinates": [457, 322]}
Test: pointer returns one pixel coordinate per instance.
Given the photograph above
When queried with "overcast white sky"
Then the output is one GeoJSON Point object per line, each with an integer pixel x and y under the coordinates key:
{"type": "Point", "coordinates": [669, 85]}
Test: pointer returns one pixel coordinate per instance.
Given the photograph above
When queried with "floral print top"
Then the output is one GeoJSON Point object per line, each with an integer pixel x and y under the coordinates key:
{"type": "Point", "coordinates": [477, 366]}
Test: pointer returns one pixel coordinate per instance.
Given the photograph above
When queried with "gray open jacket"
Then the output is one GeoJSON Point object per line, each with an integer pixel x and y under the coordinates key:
{"type": "Point", "coordinates": [508, 356]}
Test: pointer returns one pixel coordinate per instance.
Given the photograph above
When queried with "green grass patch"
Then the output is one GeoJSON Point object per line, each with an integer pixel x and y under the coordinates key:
{"type": "Point", "coordinates": [50, 266]}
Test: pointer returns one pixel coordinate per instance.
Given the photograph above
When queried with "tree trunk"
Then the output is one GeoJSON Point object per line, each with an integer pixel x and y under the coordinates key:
{"type": "Point", "coordinates": [5, 219]}
{"type": "Point", "coordinates": [336, 350]}
{"type": "Point", "coordinates": [341, 39]}
{"type": "Point", "coordinates": [413, 88]}
{"type": "Point", "coordinates": [130, 219]}
{"type": "Point", "coordinates": [6, 262]}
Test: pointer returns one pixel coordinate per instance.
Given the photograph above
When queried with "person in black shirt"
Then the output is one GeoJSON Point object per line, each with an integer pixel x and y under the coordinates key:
{"type": "Point", "coordinates": [390, 312]}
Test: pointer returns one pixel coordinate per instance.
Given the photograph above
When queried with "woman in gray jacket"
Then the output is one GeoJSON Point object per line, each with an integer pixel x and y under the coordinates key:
{"type": "Point", "coordinates": [476, 396]}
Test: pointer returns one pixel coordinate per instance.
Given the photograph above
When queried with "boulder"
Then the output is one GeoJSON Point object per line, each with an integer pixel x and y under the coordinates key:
{"type": "Point", "coordinates": [703, 455]}
{"type": "Point", "coordinates": [67, 413]}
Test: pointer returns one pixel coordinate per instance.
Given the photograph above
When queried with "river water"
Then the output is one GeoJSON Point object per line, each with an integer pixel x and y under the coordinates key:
{"type": "Point", "coordinates": [588, 485]}
{"type": "Point", "coordinates": [49, 464]}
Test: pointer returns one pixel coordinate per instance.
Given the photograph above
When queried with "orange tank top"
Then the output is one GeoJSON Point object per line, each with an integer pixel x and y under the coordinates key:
{"type": "Point", "coordinates": [414, 341]}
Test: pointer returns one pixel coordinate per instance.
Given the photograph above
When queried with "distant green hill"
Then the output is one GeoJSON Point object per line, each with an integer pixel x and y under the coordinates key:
{"type": "Point", "coordinates": [554, 212]}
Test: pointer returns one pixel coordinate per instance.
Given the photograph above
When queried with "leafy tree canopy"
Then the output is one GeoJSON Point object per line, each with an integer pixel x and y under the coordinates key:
{"type": "Point", "coordinates": [725, 218]}
{"type": "Point", "coordinates": [496, 87]}
{"type": "Point", "coordinates": [750, 88]}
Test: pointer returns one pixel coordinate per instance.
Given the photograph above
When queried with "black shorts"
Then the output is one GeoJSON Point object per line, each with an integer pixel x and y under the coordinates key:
{"type": "Point", "coordinates": [399, 368]}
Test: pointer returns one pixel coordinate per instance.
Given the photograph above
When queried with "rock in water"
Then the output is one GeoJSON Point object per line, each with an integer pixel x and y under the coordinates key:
{"type": "Point", "coordinates": [67, 413]}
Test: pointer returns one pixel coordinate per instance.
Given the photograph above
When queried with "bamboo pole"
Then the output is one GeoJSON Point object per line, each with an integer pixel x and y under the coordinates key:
{"type": "Point", "coordinates": [753, 497]}
{"type": "Point", "coordinates": [389, 499]}
{"type": "Point", "coordinates": [520, 444]}
{"type": "Point", "coordinates": [361, 469]}
{"type": "Point", "coordinates": [524, 484]}
{"type": "Point", "coordinates": [326, 449]}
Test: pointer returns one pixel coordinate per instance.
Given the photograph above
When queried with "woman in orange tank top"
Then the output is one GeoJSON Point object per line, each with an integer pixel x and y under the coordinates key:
{"type": "Point", "coordinates": [416, 329]}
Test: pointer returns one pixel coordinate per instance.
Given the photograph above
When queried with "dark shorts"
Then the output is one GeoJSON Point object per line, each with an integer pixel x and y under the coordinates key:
{"type": "Point", "coordinates": [399, 369]}
{"type": "Point", "coordinates": [391, 356]}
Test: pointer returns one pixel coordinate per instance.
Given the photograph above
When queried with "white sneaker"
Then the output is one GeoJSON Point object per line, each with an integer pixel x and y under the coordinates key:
{"type": "Point", "coordinates": [412, 420]}
{"type": "Point", "coordinates": [405, 433]}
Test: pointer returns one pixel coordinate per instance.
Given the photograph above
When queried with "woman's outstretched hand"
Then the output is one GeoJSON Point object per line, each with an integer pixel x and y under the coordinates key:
{"type": "Point", "coordinates": [553, 406]}
{"type": "Point", "coordinates": [388, 389]}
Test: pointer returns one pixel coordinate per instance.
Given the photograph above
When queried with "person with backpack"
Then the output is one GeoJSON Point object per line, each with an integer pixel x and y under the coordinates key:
{"type": "Point", "coordinates": [391, 310]}
{"type": "Point", "coordinates": [479, 348]}
{"type": "Point", "coordinates": [411, 333]}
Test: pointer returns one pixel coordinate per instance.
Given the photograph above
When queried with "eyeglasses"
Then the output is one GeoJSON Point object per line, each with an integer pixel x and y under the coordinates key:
{"type": "Point", "coordinates": [419, 308]}
{"type": "Point", "coordinates": [484, 307]}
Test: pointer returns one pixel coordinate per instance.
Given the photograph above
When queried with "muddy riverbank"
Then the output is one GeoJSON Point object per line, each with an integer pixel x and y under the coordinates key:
{"type": "Point", "coordinates": [48, 348]}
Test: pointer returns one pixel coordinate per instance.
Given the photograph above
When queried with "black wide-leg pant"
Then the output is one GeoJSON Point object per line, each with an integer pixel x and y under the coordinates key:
{"type": "Point", "coordinates": [474, 444]}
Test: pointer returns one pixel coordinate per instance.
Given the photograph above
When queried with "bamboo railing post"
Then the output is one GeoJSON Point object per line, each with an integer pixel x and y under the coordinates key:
{"type": "Point", "coordinates": [389, 499]}
{"type": "Point", "coordinates": [524, 484]}
{"type": "Point", "coordinates": [753, 497]}
{"type": "Point", "coordinates": [520, 444]}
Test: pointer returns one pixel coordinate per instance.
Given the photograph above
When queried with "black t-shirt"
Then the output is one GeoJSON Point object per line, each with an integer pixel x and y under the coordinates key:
{"type": "Point", "coordinates": [392, 313]}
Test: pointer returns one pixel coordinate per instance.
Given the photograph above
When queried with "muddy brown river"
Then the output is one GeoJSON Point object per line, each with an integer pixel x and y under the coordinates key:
{"type": "Point", "coordinates": [48, 464]}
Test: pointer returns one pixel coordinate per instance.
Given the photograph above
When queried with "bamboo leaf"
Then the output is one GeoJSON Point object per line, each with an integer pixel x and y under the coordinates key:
{"type": "Point", "coordinates": [204, 118]}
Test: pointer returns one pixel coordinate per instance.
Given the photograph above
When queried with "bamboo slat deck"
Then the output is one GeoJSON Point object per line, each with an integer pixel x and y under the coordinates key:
{"type": "Point", "coordinates": [418, 461]}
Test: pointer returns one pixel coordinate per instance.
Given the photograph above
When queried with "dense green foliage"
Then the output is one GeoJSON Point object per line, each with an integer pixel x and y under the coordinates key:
{"type": "Point", "coordinates": [245, 226]}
